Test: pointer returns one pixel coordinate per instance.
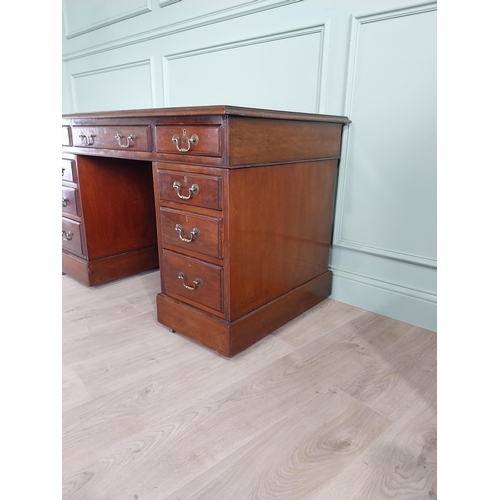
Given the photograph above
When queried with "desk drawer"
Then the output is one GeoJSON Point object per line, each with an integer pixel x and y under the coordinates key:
{"type": "Point", "coordinates": [69, 204]}
{"type": "Point", "coordinates": [68, 170]}
{"type": "Point", "coordinates": [193, 279]}
{"type": "Point", "coordinates": [192, 189]}
{"type": "Point", "coordinates": [192, 232]}
{"type": "Point", "coordinates": [72, 236]}
{"type": "Point", "coordinates": [202, 140]}
{"type": "Point", "coordinates": [121, 137]}
{"type": "Point", "coordinates": [65, 138]}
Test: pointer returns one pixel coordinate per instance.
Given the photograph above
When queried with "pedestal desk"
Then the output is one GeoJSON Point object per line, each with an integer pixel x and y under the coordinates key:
{"type": "Point", "coordinates": [234, 204]}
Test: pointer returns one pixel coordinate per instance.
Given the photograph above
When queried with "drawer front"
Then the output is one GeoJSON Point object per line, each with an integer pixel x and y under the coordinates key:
{"type": "Point", "coordinates": [69, 205]}
{"type": "Point", "coordinates": [65, 139]}
{"type": "Point", "coordinates": [193, 232]}
{"type": "Point", "coordinates": [71, 236]}
{"type": "Point", "coordinates": [121, 137]}
{"type": "Point", "coordinates": [202, 140]}
{"type": "Point", "coordinates": [193, 279]}
{"type": "Point", "coordinates": [192, 189]}
{"type": "Point", "coordinates": [68, 170]}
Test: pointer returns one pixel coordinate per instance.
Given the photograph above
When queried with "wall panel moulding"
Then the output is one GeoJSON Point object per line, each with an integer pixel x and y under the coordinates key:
{"type": "Point", "coordinates": [83, 17]}
{"type": "Point", "coordinates": [183, 21]}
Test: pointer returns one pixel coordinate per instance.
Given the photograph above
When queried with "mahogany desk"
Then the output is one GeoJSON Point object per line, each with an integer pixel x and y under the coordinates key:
{"type": "Point", "coordinates": [234, 204]}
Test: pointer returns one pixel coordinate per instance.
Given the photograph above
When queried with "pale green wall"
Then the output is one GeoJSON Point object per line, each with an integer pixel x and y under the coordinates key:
{"type": "Point", "coordinates": [372, 60]}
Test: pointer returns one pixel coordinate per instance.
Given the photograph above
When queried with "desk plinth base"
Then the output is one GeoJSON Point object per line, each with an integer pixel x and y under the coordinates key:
{"type": "Point", "coordinates": [231, 338]}
{"type": "Point", "coordinates": [97, 272]}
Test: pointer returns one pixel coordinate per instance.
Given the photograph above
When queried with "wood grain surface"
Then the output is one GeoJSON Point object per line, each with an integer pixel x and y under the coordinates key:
{"type": "Point", "coordinates": [339, 403]}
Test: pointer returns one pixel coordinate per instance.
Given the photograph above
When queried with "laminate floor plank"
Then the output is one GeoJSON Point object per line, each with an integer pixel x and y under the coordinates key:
{"type": "Point", "coordinates": [370, 333]}
{"type": "Point", "coordinates": [74, 392]}
{"type": "Point", "coordinates": [257, 402]}
{"type": "Point", "coordinates": [86, 308]}
{"type": "Point", "coordinates": [110, 339]}
{"type": "Point", "coordinates": [144, 286]}
{"type": "Point", "coordinates": [398, 376]}
{"type": "Point", "coordinates": [401, 464]}
{"type": "Point", "coordinates": [338, 400]}
{"type": "Point", "coordinates": [105, 374]}
{"type": "Point", "coordinates": [294, 458]}
{"type": "Point", "coordinates": [97, 312]}
{"type": "Point", "coordinates": [188, 376]}
{"type": "Point", "coordinates": [326, 315]}
{"type": "Point", "coordinates": [281, 387]}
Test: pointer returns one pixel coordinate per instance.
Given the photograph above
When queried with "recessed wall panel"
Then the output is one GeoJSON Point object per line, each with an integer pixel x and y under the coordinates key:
{"type": "Point", "coordinates": [281, 72]}
{"type": "Point", "coordinates": [117, 87]}
{"type": "Point", "coordinates": [387, 202]}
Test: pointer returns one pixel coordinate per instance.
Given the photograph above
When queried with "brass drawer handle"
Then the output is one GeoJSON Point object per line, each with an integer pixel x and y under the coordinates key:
{"type": "Point", "coordinates": [196, 283]}
{"type": "Point", "coordinates": [194, 189]}
{"type": "Point", "coordinates": [194, 233]}
{"type": "Point", "coordinates": [67, 236]}
{"type": "Point", "coordinates": [65, 202]}
{"type": "Point", "coordinates": [194, 139]}
{"type": "Point", "coordinates": [87, 140]}
{"type": "Point", "coordinates": [130, 140]}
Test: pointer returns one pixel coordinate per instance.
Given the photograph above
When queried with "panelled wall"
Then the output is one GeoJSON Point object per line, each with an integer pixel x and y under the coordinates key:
{"type": "Point", "coordinates": [371, 60]}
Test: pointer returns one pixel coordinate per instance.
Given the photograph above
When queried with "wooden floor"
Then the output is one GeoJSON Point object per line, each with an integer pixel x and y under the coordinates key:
{"type": "Point", "coordinates": [338, 404]}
